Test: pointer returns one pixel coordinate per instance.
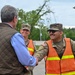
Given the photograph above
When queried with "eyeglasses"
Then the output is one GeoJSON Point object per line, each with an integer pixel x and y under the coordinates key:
{"type": "Point", "coordinates": [26, 30]}
{"type": "Point", "coordinates": [53, 31]}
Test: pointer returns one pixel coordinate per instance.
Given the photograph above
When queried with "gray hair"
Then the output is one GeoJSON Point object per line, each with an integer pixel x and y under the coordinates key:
{"type": "Point", "coordinates": [8, 13]}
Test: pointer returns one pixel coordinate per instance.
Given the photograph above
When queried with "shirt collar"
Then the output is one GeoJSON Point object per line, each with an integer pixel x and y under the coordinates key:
{"type": "Point", "coordinates": [64, 44]}
{"type": "Point", "coordinates": [8, 24]}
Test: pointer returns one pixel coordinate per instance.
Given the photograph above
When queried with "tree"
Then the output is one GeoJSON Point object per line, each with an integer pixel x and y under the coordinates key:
{"type": "Point", "coordinates": [33, 17]}
{"type": "Point", "coordinates": [70, 33]}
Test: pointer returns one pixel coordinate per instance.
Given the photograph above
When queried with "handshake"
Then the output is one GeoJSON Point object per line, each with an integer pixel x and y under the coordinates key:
{"type": "Point", "coordinates": [30, 68]}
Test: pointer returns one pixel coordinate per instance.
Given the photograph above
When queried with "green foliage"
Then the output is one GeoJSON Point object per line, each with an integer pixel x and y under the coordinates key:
{"type": "Point", "coordinates": [34, 18]}
{"type": "Point", "coordinates": [70, 33]}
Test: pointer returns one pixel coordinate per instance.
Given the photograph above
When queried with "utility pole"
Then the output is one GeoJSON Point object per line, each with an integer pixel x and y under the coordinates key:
{"type": "Point", "coordinates": [40, 34]}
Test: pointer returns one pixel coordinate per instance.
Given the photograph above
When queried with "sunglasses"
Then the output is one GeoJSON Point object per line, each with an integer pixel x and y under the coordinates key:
{"type": "Point", "coordinates": [26, 30]}
{"type": "Point", "coordinates": [53, 31]}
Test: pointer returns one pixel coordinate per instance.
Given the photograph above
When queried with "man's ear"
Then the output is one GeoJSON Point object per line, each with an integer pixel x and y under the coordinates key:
{"type": "Point", "coordinates": [15, 19]}
{"type": "Point", "coordinates": [61, 32]}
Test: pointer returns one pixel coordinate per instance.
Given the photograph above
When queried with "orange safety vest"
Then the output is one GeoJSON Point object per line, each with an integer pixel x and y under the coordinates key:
{"type": "Point", "coordinates": [31, 47]}
{"type": "Point", "coordinates": [63, 66]}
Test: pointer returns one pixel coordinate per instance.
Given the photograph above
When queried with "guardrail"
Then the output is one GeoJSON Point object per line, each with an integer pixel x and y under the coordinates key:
{"type": "Point", "coordinates": [38, 42]}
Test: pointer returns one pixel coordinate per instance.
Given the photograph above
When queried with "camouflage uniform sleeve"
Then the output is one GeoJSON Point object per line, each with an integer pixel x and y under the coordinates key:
{"type": "Point", "coordinates": [73, 46]}
{"type": "Point", "coordinates": [41, 52]}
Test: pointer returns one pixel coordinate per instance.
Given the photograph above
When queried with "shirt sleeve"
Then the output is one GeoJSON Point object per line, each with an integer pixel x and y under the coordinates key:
{"type": "Point", "coordinates": [41, 52]}
{"type": "Point", "coordinates": [18, 43]}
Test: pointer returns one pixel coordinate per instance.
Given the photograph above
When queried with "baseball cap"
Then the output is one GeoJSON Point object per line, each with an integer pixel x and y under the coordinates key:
{"type": "Point", "coordinates": [56, 27]}
{"type": "Point", "coordinates": [26, 26]}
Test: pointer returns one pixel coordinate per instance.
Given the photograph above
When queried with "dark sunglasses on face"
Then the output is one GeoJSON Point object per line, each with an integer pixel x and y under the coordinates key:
{"type": "Point", "coordinates": [26, 30]}
{"type": "Point", "coordinates": [52, 31]}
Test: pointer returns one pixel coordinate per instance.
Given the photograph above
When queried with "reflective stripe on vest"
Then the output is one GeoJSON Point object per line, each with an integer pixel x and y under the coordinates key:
{"type": "Point", "coordinates": [69, 73]}
{"type": "Point", "coordinates": [30, 49]}
{"type": "Point", "coordinates": [53, 58]}
{"type": "Point", "coordinates": [52, 74]}
{"type": "Point", "coordinates": [64, 57]}
{"type": "Point", "coordinates": [68, 56]}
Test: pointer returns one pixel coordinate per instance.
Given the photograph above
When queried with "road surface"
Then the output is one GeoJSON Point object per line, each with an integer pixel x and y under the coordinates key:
{"type": "Point", "coordinates": [40, 69]}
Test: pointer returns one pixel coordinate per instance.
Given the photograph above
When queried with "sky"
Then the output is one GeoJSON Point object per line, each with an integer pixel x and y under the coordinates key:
{"type": "Point", "coordinates": [63, 9]}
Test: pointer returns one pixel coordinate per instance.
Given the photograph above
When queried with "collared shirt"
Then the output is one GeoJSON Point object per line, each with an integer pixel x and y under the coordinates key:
{"type": "Point", "coordinates": [17, 42]}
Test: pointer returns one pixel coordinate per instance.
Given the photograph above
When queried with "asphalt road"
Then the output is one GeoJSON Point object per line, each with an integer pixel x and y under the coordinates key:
{"type": "Point", "coordinates": [40, 69]}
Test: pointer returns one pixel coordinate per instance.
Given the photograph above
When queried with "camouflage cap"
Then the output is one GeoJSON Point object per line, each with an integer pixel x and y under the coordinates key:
{"type": "Point", "coordinates": [56, 26]}
{"type": "Point", "coordinates": [26, 26]}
